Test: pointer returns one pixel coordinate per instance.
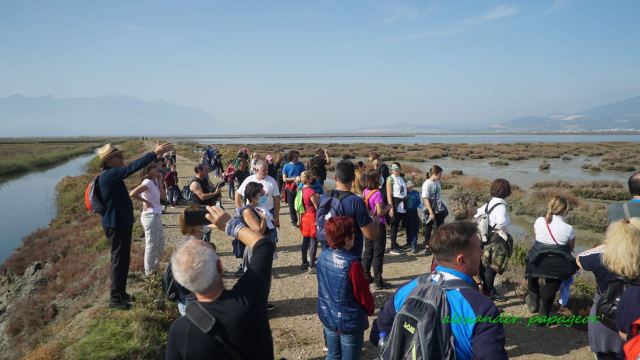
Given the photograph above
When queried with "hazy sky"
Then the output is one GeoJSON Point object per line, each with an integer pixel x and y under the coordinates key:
{"type": "Point", "coordinates": [318, 65]}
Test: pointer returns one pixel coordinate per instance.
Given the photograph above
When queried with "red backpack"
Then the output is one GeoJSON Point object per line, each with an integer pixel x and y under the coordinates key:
{"type": "Point", "coordinates": [632, 347]}
{"type": "Point", "coordinates": [92, 198]}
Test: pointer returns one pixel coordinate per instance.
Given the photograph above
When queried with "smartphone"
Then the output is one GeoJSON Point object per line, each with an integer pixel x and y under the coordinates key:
{"type": "Point", "coordinates": [196, 217]}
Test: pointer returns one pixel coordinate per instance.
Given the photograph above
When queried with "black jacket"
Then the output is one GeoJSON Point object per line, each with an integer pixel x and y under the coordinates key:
{"type": "Point", "coordinates": [550, 261]}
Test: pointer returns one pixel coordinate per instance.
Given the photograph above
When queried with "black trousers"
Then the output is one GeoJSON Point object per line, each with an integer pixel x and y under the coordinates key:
{"type": "Point", "coordinates": [309, 245]}
{"type": "Point", "coordinates": [374, 254]}
{"type": "Point", "coordinates": [546, 292]}
{"type": "Point", "coordinates": [395, 224]}
{"type": "Point", "coordinates": [291, 200]}
{"type": "Point", "coordinates": [120, 240]}
{"type": "Point", "coordinates": [428, 228]}
{"type": "Point", "coordinates": [488, 277]}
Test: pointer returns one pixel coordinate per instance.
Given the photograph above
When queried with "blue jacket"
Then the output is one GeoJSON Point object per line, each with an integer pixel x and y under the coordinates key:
{"type": "Point", "coordinates": [337, 307]}
{"type": "Point", "coordinates": [118, 205]}
{"type": "Point", "coordinates": [481, 340]}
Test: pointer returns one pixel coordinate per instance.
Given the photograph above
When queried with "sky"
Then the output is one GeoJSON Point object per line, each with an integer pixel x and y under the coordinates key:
{"type": "Point", "coordinates": [328, 65]}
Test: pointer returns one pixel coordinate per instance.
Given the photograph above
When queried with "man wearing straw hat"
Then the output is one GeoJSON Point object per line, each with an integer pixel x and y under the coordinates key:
{"type": "Point", "coordinates": [117, 219]}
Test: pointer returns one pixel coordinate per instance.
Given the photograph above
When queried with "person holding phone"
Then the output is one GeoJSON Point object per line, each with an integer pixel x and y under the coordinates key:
{"type": "Point", "coordinates": [204, 193]}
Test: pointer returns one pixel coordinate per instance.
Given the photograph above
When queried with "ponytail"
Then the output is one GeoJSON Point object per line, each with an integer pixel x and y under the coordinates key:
{"type": "Point", "coordinates": [557, 205]}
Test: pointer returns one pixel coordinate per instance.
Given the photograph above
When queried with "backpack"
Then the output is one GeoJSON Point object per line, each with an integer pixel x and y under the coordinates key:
{"type": "Point", "coordinates": [607, 305]}
{"type": "Point", "coordinates": [496, 252]}
{"type": "Point", "coordinates": [93, 198]}
{"type": "Point", "coordinates": [484, 227]}
{"type": "Point", "coordinates": [299, 203]}
{"type": "Point", "coordinates": [171, 289]}
{"type": "Point", "coordinates": [330, 205]}
{"type": "Point", "coordinates": [187, 194]}
{"type": "Point", "coordinates": [419, 331]}
{"type": "Point", "coordinates": [632, 347]}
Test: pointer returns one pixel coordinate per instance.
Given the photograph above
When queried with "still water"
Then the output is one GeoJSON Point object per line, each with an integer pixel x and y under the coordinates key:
{"type": "Point", "coordinates": [29, 202]}
{"type": "Point", "coordinates": [415, 139]}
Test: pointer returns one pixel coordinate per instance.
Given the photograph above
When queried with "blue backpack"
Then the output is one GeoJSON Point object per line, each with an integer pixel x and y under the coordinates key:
{"type": "Point", "coordinates": [330, 205]}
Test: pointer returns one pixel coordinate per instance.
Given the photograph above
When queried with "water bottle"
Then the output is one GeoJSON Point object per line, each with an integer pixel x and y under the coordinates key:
{"type": "Point", "coordinates": [382, 340]}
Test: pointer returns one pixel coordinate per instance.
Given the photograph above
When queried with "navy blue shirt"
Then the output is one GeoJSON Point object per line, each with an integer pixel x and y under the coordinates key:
{"type": "Point", "coordinates": [354, 207]}
{"type": "Point", "coordinates": [591, 260]}
{"type": "Point", "coordinates": [118, 205]}
{"type": "Point", "coordinates": [628, 309]}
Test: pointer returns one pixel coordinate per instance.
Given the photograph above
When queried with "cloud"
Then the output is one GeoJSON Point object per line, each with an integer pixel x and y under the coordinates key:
{"type": "Point", "coordinates": [398, 12]}
{"type": "Point", "coordinates": [499, 12]}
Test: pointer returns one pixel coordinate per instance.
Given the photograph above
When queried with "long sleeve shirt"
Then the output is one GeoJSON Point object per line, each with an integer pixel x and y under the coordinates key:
{"type": "Point", "coordinates": [118, 205]}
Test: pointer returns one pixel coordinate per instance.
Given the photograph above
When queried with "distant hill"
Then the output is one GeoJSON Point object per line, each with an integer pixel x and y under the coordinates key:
{"type": "Point", "coordinates": [618, 116]}
{"type": "Point", "coordinates": [400, 127]}
{"type": "Point", "coordinates": [103, 116]}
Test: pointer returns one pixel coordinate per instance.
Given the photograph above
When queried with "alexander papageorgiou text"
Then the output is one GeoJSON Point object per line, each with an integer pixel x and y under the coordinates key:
{"type": "Point", "coordinates": [513, 319]}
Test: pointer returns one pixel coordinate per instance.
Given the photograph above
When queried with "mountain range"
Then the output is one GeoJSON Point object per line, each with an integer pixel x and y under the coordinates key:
{"type": "Point", "coordinates": [118, 114]}
{"type": "Point", "coordinates": [99, 116]}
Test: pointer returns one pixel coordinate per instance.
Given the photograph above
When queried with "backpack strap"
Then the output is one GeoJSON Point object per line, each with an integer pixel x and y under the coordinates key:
{"type": "Point", "coordinates": [206, 322]}
{"type": "Point", "coordinates": [369, 195]}
{"type": "Point", "coordinates": [625, 208]}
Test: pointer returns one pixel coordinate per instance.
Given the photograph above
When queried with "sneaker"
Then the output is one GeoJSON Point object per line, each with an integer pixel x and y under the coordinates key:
{"type": "Point", "coordinates": [396, 252]}
{"type": "Point", "coordinates": [304, 266]}
{"type": "Point", "coordinates": [415, 250]}
{"type": "Point", "coordinates": [369, 278]}
{"type": "Point", "coordinates": [128, 298]}
{"type": "Point", "coordinates": [312, 270]}
{"type": "Point", "coordinates": [381, 285]}
{"type": "Point", "coordinates": [427, 251]}
{"type": "Point", "coordinates": [271, 307]}
{"type": "Point", "coordinates": [325, 348]}
{"type": "Point", "coordinates": [405, 246]}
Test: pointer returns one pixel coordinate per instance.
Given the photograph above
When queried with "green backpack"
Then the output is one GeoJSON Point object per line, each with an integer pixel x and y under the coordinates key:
{"type": "Point", "coordinates": [298, 203]}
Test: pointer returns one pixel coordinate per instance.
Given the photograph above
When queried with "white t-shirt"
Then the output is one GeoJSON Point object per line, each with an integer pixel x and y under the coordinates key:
{"type": "Point", "coordinates": [270, 187]}
{"type": "Point", "coordinates": [152, 195]}
{"type": "Point", "coordinates": [399, 190]}
{"type": "Point", "coordinates": [499, 218]}
{"type": "Point", "coordinates": [432, 190]}
{"type": "Point", "coordinates": [562, 231]}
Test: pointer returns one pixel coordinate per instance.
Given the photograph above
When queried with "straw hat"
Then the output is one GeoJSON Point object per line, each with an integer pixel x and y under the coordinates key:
{"type": "Point", "coordinates": [106, 152]}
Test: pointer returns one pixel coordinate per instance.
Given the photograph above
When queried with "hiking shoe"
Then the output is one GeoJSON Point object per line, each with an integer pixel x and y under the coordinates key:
{"type": "Point", "coordinates": [497, 297]}
{"type": "Point", "coordinates": [312, 270]}
{"type": "Point", "coordinates": [270, 307]}
{"type": "Point", "coordinates": [381, 285]}
{"type": "Point", "coordinates": [427, 250]}
{"type": "Point", "coordinates": [396, 252]}
{"type": "Point", "coordinates": [128, 298]}
{"type": "Point", "coordinates": [239, 272]}
{"type": "Point", "coordinates": [369, 278]}
{"type": "Point", "coordinates": [405, 246]}
{"type": "Point", "coordinates": [415, 250]}
{"type": "Point", "coordinates": [119, 303]}
{"type": "Point", "coordinates": [304, 266]}
{"type": "Point", "coordinates": [532, 303]}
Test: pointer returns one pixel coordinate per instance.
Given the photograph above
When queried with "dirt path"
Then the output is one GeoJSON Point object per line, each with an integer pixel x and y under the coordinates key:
{"type": "Point", "coordinates": [297, 331]}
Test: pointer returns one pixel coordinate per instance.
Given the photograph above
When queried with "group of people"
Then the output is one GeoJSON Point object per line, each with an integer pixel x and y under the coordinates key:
{"type": "Point", "coordinates": [351, 225]}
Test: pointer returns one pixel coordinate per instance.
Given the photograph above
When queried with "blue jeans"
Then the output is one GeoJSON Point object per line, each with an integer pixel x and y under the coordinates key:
{"type": "Point", "coordinates": [173, 194]}
{"type": "Point", "coordinates": [343, 346]}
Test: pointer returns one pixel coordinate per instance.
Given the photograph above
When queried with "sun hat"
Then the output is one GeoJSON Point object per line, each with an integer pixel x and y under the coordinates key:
{"type": "Point", "coordinates": [106, 152]}
{"type": "Point", "coordinates": [269, 157]}
{"type": "Point", "coordinates": [409, 183]}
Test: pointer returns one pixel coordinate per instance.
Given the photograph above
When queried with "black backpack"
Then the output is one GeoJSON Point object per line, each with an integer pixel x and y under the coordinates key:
{"type": "Point", "coordinates": [607, 305]}
{"type": "Point", "coordinates": [419, 331]}
{"type": "Point", "coordinates": [170, 287]}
